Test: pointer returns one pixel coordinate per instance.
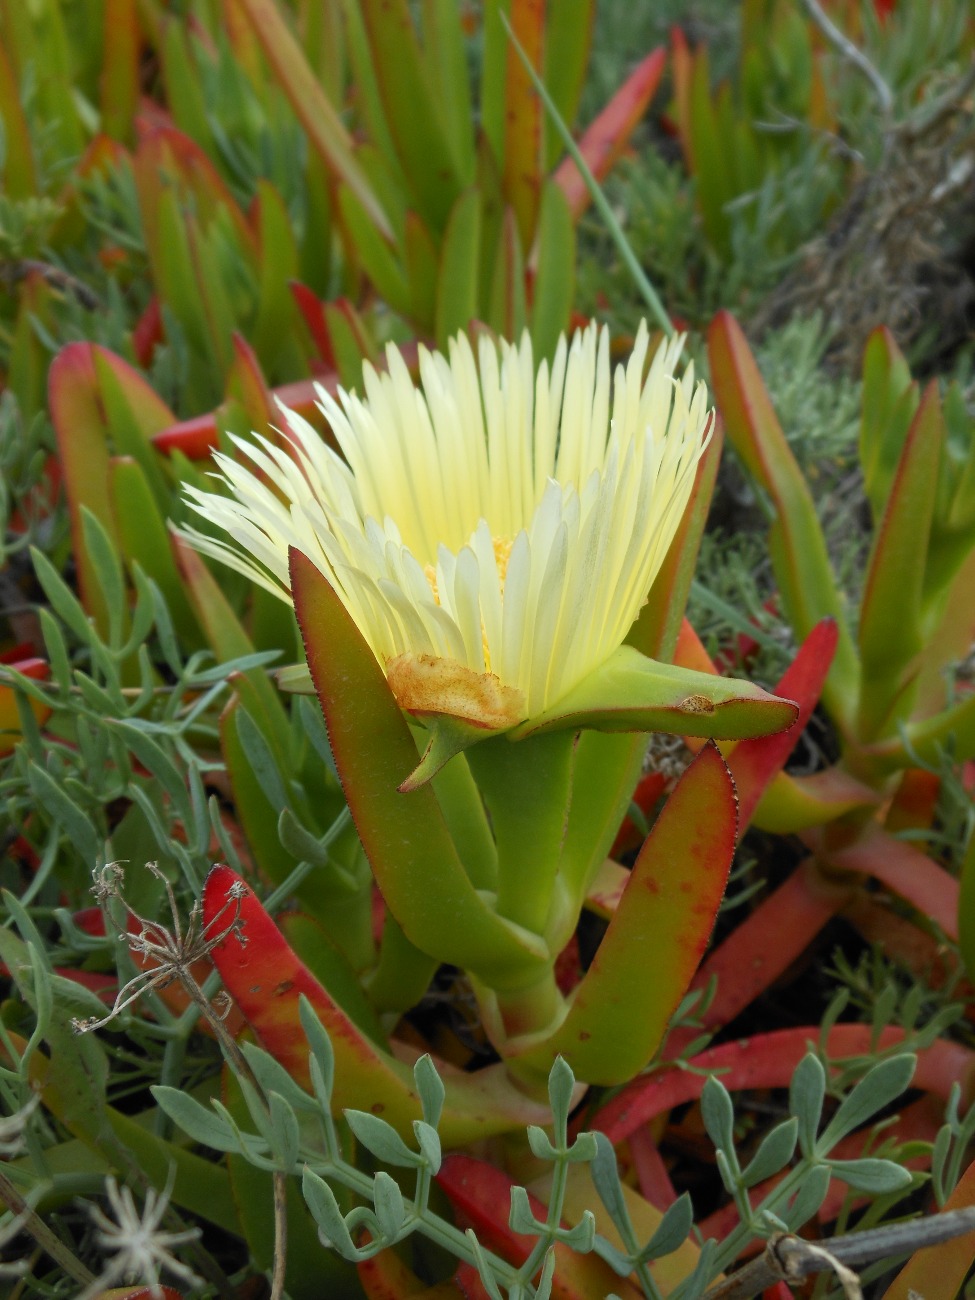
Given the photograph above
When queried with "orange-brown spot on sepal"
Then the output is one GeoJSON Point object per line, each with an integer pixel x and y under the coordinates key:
{"type": "Point", "coordinates": [426, 684]}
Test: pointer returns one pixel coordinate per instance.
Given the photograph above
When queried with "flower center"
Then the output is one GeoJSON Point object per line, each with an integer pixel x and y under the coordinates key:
{"type": "Point", "coordinates": [502, 554]}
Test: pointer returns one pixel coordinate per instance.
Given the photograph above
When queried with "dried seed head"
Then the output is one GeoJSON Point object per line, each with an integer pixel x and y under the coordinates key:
{"type": "Point", "coordinates": [173, 951]}
{"type": "Point", "coordinates": [137, 1245]}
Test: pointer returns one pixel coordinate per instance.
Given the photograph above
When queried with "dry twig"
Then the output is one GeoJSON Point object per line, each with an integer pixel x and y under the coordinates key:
{"type": "Point", "coordinates": [790, 1259]}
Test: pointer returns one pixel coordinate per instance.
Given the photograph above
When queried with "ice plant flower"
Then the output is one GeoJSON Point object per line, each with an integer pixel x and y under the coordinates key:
{"type": "Point", "coordinates": [494, 533]}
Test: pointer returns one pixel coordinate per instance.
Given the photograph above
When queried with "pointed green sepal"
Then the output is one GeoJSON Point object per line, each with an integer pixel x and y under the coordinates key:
{"type": "Point", "coordinates": [630, 692]}
{"type": "Point", "coordinates": [448, 736]}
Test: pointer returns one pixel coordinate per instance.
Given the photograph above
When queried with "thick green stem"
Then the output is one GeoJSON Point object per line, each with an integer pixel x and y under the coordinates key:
{"type": "Point", "coordinates": [526, 786]}
{"type": "Point", "coordinates": [535, 1009]}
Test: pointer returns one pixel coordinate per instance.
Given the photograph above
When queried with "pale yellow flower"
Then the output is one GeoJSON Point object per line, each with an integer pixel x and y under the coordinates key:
{"type": "Point", "coordinates": [494, 533]}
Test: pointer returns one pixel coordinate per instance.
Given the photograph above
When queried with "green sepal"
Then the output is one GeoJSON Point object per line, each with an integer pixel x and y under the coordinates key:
{"type": "Point", "coordinates": [448, 736]}
{"type": "Point", "coordinates": [630, 692]}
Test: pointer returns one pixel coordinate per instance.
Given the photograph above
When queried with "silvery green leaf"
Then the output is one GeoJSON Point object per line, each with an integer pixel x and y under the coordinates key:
{"type": "Point", "coordinates": [812, 1193]}
{"type": "Point", "coordinates": [871, 1175]}
{"type": "Point", "coordinates": [771, 1222]}
{"type": "Point", "coordinates": [540, 1143]}
{"type": "Point", "coordinates": [718, 1114]}
{"type": "Point", "coordinates": [273, 1077]}
{"type": "Point", "coordinates": [911, 1007]}
{"type": "Point", "coordinates": [363, 1219]}
{"type": "Point", "coordinates": [884, 1007]}
{"type": "Point", "coordinates": [520, 1218]}
{"type": "Point", "coordinates": [258, 754]}
{"type": "Point", "coordinates": [31, 745]}
{"type": "Point", "coordinates": [428, 1140]}
{"type": "Point", "coordinates": [382, 1139]}
{"type": "Point", "coordinates": [390, 1209]}
{"type": "Point", "coordinates": [254, 1147]}
{"type": "Point", "coordinates": [165, 632]}
{"type": "Point", "coordinates": [143, 615]}
{"type": "Point", "coordinates": [729, 1175]}
{"type": "Point", "coordinates": [672, 1230]}
{"type": "Point", "coordinates": [242, 664]}
{"type": "Point", "coordinates": [583, 1150]}
{"type": "Point", "coordinates": [886, 1081]}
{"type": "Point", "coordinates": [108, 570]}
{"type": "Point", "coordinates": [695, 1284]}
{"type": "Point", "coordinates": [561, 1084]}
{"type": "Point", "coordinates": [320, 1199]}
{"type": "Point", "coordinates": [153, 757]}
{"type": "Point", "coordinates": [311, 718]}
{"type": "Point", "coordinates": [96, 697]}
{"type": "Point", "coordinates": [62, 600]}
{"type": "Point", "coordinates": [806, 1093]}
{"type": "Point", "coordinates": [38, 954]}
{"type": "Point", "coordinates": [65, 812]}
{"type": "Point", "coordinates": [618, 1262]}
{"type": "Point", "coordinates": [774, 1153]}
{"type": "Point", "coordinates": [582, 1237]}
{"type": "Point", "coordinates": [544, 1287]}
{"type": "Point", "coordinates": [57, 651]}
{"type": "Point", "coordinates": [257, 1107]}
{"type": "Point", "coordinates": [604, 1172]}
{"type": "Point", "coordinates": [431, 1089]}
{"type": "Point", "coordinates": [321, 1051]}
{"type": "Point", "coordinates": [299, 842]}
{"type": "Point", "coordinates": [196, 1121]}
{"type": "Point", "coordinates": [284, 1131]}
{"type": "Point", "coordinates": [27, 686]}
{"type": "Point", "coordinates": [939, 1157]}
{"type": "Point", "coordinates": [483, 1267]}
